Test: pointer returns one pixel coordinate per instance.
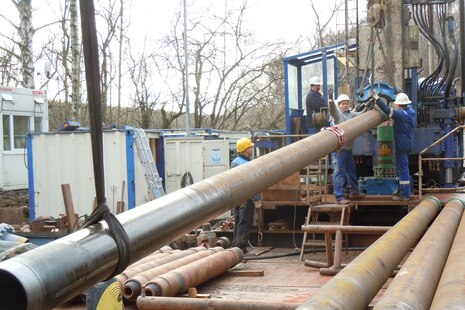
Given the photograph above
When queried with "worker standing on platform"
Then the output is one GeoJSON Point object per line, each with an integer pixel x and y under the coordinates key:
{"type": "Point", "coordinates": [243, 214]}
{"type": "Point", "coordinates": [344, 165]}
{"type": "Point", "coordinates": [404, 117]}
{"type": "Point", "coordinates": [314, 100]}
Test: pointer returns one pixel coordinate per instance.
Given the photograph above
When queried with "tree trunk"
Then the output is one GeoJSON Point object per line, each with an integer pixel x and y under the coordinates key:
{"type": "Point", "coordinates": [76, 60]}
{"type": "Point", "coordinates": [26, 33]}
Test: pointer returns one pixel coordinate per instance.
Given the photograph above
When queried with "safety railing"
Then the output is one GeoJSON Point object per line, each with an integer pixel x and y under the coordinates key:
{"type": "Point", "coordinates": [421, 160]}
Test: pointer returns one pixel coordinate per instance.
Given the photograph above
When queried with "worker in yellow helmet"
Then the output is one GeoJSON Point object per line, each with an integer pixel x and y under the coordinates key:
{"type": "Point", "coordinates": [243, 214]}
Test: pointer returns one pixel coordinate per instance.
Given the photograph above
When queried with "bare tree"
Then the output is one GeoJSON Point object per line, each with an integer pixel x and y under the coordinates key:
{"type": "Point", "coordinates": [324, 28]}
{"type": "Point", "coordinates": [8, 67]}
{"type": "Point", "coordinates": [26, 31]}
{"type": "Point", "coordinates": [224, 76]}
{"type": "Point", "coordinates": [145, 99]}
{"type": "Point", "coordinates": [111, 13]}
{"type": "Point", "coordinates": [75, 59]}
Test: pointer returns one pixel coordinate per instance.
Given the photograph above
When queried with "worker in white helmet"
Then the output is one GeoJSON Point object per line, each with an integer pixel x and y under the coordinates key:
{"type": "Point", "coordinates": [345, 173]}
{"type": "Point", "coordinates": [404, 118]}
{"type": "Point", "coordinates": [243, 214]}
{"type": "Point", "coordinates": [314, 100]}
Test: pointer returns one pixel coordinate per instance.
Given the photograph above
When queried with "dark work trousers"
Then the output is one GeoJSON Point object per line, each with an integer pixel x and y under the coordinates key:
{"type": "Point", "coordinates": [402, 167]}
{"type": "Point", "coordinates": [243, 221]}
{"type": "Point", "coordinates": [344, 174]}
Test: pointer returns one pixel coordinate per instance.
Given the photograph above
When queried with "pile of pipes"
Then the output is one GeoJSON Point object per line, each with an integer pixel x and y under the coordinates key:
{"type": "Point", "coordinates": [168, 272]}
{"type": "Point", "coordinates": [433, 276]}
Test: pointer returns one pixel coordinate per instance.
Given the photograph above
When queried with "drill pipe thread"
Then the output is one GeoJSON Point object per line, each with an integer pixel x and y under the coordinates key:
{"type": "Point", "coordinates": [450, 291]}
{"type": "Point", "coordinates": [355, 286]}
{"type": "Point", "coordinates": [30, 281]}
{"type": "Point", "coordinates": [415, 283]}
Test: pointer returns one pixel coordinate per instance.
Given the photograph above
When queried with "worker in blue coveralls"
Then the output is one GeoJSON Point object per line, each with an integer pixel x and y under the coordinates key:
{"type": "Point", "coordinates": [243, 214]}
{"type": "Point", "coordinates": [344, 165]}
{"type": "Point", "coordinates": [404, 117]}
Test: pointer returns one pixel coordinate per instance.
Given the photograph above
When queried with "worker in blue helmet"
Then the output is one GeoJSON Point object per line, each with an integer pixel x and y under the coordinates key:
{"type": "Point", "coordinates": [243, 214]}
{"type": "Point", "coordinates": [404, 119]}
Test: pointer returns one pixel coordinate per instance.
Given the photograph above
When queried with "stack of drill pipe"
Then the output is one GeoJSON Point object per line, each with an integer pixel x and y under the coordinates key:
{"type": "Point", "coordinates": [133, 286]}
{"type": "Point", "coordinates": [450, 291]}
{"type": "Point", "coordinates": [164, 258]}
{"type": "Point", "coordinates": [165, 249]}
{"type": "Point", "coordinates": [355, 286]}
{"type": "Point", "coordinates": [164, 303]}
{"type": "Point", "coordinates": [415, 283]}
{"type": "Point", "coordinates": [30, 281]}
{"type": "Point", "coordinates": [193, 274]}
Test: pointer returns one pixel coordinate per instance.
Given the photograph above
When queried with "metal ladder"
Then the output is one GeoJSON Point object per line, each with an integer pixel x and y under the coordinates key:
{"type": "Point", "coordinates": [154, 180]}
{"type": "Point", "coordinates": [317, 189]}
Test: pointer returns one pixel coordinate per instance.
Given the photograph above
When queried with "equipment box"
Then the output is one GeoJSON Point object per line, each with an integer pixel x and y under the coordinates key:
{"type": "Point", "coordinates": [378, 186]}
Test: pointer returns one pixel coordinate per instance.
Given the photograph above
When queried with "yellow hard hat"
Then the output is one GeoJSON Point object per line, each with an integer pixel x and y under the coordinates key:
{"type": "Point", "coordinates": [243, 144]}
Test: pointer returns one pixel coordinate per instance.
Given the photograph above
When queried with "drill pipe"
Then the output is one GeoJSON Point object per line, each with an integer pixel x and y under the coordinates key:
{"type": "Point", "coordinates": [44, 278]}
{"type": "Point", "coordinates": [450, 291]}
{"type": "Point", "coordinates": [164, 303]}
{"type": "Point", "coordinates": [415, 283]}
{"type": "Point", "coordinates": [133, 286]}
{"type": "Point", "coordinates": [139, 268]}
{"type": "Point", "coordinates": [150, 257]}
{"type": "Point", "coordinates": [193, 274]}
{"type": "Point", "coordinates": [355, 286]}
{"type": "Point", "coordinates": [129, 271]}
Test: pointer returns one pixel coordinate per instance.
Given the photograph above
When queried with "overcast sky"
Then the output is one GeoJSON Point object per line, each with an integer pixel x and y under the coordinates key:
{"type": "Point", "coordinates": [266, 20]}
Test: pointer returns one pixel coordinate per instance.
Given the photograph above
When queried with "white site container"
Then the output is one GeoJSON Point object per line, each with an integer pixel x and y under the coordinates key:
{"type": "Point", "coordinates": [189, 160]}
{"type": "Point", "coordinates": [21, 110]}
{"type": "Point", "coordinates": [66, 158]}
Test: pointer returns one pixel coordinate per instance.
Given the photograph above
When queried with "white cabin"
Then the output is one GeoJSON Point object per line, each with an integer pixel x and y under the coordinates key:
{"type": "Point", "coordinates": [21, 111]}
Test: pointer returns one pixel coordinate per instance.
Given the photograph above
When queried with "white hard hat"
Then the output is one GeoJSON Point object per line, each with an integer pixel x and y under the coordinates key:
{"type": "Point", "coordinates": [315, 80]}
{"type": "Point", "coordinates": [402, 99]}
{"type": "Point", "coordinates": [342, 97]}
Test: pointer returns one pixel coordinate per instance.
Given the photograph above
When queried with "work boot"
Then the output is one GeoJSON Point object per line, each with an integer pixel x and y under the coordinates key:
{"type": "Point", "coordinates": [356, 196]}
{"type": "Point", "coordinates": [343, 201]}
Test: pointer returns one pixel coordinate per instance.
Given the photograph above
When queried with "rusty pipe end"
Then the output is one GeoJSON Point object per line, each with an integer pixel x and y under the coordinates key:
{"type": "Point", "coordinates": [131, 290]}
{"type": "Point", "coordinates": [460, 114]}
{"type": "Point", "coordinates": [435, 200]}
{"type": "Point", "coordinates": [458, 199]}
{"type": "Point", "coordinates": [151, 289]}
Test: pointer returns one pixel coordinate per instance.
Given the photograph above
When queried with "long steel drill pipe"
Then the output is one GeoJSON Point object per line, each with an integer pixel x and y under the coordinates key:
{"type": "Point", "coordinates": [451, 288]}
{"type": "Point", "coordinates": [51, 274]}
{"type": "Point", "coordinates": [176, 303]}
{"type": "Point", "coordinates": [355, 286]}
{"type": "Point", "coordinates": [415, 283]}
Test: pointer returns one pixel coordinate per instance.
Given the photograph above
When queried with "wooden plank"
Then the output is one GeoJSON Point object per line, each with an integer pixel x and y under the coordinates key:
{"type": "Point", "coordinates": [120, 204]}
{"type": "Point", "coordinates": [12, 215]}
{"type": "Point", "coordinates": [69, 207]}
